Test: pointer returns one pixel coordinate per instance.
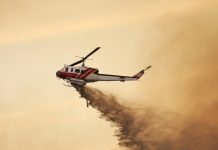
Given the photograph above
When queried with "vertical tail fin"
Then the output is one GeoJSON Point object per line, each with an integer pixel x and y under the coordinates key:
{"type": "Point", "coordinates": [138, 75]}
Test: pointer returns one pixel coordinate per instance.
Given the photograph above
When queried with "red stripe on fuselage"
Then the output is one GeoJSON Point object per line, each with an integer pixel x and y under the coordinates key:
{"type": "Point", "coordinates": [87, 70]}
{"type": "Point", "coordinates": [68, 75]}
{"type": "Point", "coordinates": [87, 73]}
{"type": "Point", "coordinates": [92, 72]}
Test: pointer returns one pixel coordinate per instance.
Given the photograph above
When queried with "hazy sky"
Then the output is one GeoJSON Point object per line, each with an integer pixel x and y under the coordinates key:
{"type": "Point", "coordinates": [38, 37]}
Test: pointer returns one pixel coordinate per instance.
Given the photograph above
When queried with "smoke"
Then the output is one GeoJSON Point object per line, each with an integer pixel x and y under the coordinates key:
{"type": "Point", "coordinates": [184, 79]}
{"type": "Point", "coordinates": [185, 72]}
{"type": "Point", "coordinates": [200, 130]}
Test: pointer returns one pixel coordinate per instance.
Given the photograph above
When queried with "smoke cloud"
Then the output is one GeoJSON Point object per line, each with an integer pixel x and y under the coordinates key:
{"type": "Point", "coordinates": [185, 72]}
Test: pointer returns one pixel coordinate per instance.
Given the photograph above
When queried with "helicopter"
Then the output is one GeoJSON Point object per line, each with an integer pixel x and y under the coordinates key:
{"type": "Point", "coordinates": [76, 75]}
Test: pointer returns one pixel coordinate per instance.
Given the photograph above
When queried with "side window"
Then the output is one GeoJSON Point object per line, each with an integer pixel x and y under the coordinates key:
{"type": "Point", "coordinates": [82, 71]}
{"type": "Point", "coordinates": [66, 69]}
{"type": "Point", "coordinates": [77, 70]}
{"type": "Point", "coordinates": [71, 70]}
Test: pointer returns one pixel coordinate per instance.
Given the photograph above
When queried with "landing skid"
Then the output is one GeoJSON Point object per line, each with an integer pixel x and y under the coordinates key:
{"type": "Point", "coordinates": [68, 85]}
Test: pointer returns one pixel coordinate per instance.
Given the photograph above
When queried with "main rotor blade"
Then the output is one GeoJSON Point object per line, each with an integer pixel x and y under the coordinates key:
{"type": "Point", "coordinates": [78, 62]}
{"type": "Point", "coordinates": [83, 59]}
{"type": "Point", "coordinates": [97, 48]}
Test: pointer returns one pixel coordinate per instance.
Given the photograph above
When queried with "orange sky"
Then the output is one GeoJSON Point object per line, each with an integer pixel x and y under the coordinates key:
{"type": "Point", "coordinates": [38, 37]}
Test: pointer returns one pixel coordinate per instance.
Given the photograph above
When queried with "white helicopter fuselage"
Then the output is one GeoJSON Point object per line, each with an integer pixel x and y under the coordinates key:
{"type": "Point", "coordinates": [81, 75]}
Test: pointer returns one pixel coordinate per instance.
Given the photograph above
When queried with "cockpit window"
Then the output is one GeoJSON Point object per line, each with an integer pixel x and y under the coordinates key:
{"type": "Point", "coordinates": [77, 70]}
{"type": "Point", "coordinates": [82, 71]}
{"type": "Point", "coordinates": [66, 69]}
{"type": "Point", "coordinates": [71, 70]}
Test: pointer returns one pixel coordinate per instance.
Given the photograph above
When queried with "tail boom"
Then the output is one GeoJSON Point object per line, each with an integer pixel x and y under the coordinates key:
{"type": "Point", "coordinates": [108, 77]}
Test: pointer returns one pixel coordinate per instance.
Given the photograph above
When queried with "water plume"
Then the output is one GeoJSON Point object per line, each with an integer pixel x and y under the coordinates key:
{"type": "Point", "coordinates": [137, 130]}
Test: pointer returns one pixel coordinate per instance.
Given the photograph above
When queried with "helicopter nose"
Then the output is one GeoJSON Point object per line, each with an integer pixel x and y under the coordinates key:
{"type": "Point", "coordinates": [58, 74]}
